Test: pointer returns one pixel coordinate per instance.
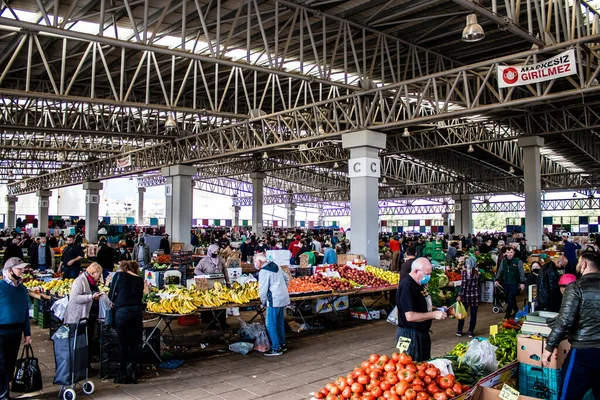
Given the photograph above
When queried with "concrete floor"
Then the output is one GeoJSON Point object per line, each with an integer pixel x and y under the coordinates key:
{"type": "Point", "coordinates": [312, 360]}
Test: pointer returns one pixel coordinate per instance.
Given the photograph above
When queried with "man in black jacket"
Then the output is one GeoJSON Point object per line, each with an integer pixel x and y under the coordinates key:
{"type": "Point", "coordinates": [579, 319]}
{"type": "Point", "coordinates": [164, 244]}
{"type": "Point", "coordinates": [41, 255]}
{"type": "Point", "coordinates": [13, 250]}
{"type": "Point", "coordinates": [548, 291]}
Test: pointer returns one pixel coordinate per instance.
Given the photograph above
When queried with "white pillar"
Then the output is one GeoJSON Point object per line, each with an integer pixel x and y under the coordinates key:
{"type": "Point", "coordinates": [92, 203]}
{"type": "Point", "coordinates": [140, 207]}
{"type": "Point", "coordinates": [364, 172]}
{"type": "Point", "coordinates": [11, 213]}
{"type": "Point", "coordinates": [446, 223]}
{"type": "Point", "coordinates": [533, 189]}
{"type": "Point", "coordinates": [463, 214]}
{"type": "Point", "coordinates": [43, 204]}
{"type": "Point", "coordinates": [321, 221]}
{"type": "Point", "coordinates": [179, 202]}
{"type": "Point", "coordinates": [235, 212]}
{"type": "Point", "coordinates": [258, 179]}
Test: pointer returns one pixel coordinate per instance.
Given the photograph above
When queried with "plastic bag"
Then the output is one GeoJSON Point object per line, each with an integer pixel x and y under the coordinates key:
{"type": "Point", "coordinates": [481, 357]}
{"type": "Point", "coordinates": [393, 317]}
{"type": "Point", "coordinates": [60, 307]}
{"type": "Point", "coordinates": [444, 365]}
{"type": "Point", "coordinates": [241, 347]}
{"type": "Point", "coordinates": [460, 312]}
{"type": "Point", "coordinates": [28, 376]}
{"type": "Point", "coordinates": [262, 343]}
{"type": "Point", "coordinates": [103, 307]}
{"type": "Point", "coordinates": [248, 332]}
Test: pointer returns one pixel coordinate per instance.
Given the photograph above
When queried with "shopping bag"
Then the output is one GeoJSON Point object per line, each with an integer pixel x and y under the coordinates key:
{"type": "Point", "coordinates": [104, 308]}
{"type": "Point", "coordinates": [60, 307]}
{"type": "Point", "coordinates": [393, 317]}
{"type": "Point", "coordinates": [28, 377]}
{"type": "Point", "coordinates": [262, 343]}
{"type": "Point", "coordinates": [481, 357]}
{"type": "Point", "coordinates": [460, 312]}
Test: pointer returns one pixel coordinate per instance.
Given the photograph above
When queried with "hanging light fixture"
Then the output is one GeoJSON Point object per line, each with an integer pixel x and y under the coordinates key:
{"type": "Point", "coordinates": [406, 133]}
{"type": "Point", "coordinates": [265, 155]}
{"type": "Point", "coordinates": [511, 170]}
{"type": "Point", "coordinates": [470, 149]}
{"type": "Point", "coordinates": [574, 195]}
{"type": "Point", "coordinates": [473, 32]}
{"type": "Point", "coordinates": [336, 165]}
{"type": "Point", "coordinates": [384, 181]}
{"type": "Point", "coordinates": [170, 122]}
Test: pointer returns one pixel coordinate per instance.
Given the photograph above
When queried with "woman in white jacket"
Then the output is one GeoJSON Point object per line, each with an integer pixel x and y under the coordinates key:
{"type": "Point", "coordinates": [83, 293]}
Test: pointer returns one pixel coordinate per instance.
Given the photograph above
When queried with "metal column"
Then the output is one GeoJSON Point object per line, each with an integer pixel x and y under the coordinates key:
{"type": "Point", "coordinates": [140, 205]}
{"type": "Point", "coordinates": [258, 179]}
{"type": "Point", "coordinates": [291, 215]}
{"type": "Point", "coordinates": [364, 172]}
{"type": "Point", "coordinates": [11, 213]}
{"type": "Point", "coordinates": [43, 204]}
{"type": "Point", "coordinates": [447, 223]}
{"type": "Point", "coordinates": [92, 203]}
{"type": "Point", "coordinates": [533, 189]}
{"type": "Point", "coordinates": [463, 214]}
{"type": "Point", "coordinates": [179, 202]}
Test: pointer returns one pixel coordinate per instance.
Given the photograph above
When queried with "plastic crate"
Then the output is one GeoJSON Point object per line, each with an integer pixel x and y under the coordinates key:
{"type": "Point", "coordinates": [538, 382]}
{"type": "Point", "coordinates": [188, 320]}
{"type": "Point", "coordinates": [43, 320]}
{"type": "Point", "coordinates": [36, 308]}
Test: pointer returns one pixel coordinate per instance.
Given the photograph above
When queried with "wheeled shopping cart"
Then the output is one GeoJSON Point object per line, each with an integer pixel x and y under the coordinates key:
{"type": "Point", "coordinates": [71, 358]}
{"type": "Point", "coordinates": [499, 299]}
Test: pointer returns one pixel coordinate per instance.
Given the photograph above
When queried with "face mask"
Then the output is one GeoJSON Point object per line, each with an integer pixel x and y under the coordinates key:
{"type": "Point", "coordinates": [425, 279]}
{"type": "Point", "coordinates": [43, 244]}
{"type": "Point", "coordinates": [122, 250]}
{"type": "Point", "coordinates": [16, 278]}
{"type": "Point", "coordinates": [214, 255]}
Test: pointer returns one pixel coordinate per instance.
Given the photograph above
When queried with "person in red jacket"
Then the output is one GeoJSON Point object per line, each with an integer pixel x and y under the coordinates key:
{"type": "Point", "coordinates": [295, 247]}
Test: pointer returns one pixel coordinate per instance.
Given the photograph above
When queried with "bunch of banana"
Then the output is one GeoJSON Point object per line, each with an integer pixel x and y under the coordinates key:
{"type": "Point", "coordinates": [392, 277]}
{"type": "Point", "coordinates": [33, 284]}
{"type": "Point", "coordinates": [174, 305]}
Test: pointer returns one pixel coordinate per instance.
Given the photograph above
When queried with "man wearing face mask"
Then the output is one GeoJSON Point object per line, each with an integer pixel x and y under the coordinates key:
{"type": "Point", "coordinates": [14, 320]}
{"type": "Point", "coordinates": [42, 256]}
{"type": "Point", "coordinates": [415, 311]}
{"type": "Point", "coordinates": [579, 319]}
{"type": "Point", "coordinates": [71, 256]}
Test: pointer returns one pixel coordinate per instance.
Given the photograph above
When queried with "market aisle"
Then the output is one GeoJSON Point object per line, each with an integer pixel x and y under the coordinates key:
{"type": "Point", "coordinates": [312, 361]}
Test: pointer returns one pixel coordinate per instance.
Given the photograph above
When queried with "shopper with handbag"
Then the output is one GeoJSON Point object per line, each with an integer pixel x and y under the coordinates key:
{"type": "Point", "coordinates": [126, 291]}
{"type": "Point", "coordinates": [14, 320]}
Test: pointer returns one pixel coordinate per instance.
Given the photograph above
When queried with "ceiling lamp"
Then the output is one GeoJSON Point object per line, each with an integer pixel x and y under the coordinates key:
{"type": "Point", "coordinates": [265, 155]}
{"type": "Point", "coordinates": [574, 195]}
{"type": "Point", "coordinates": [336, 165]}
{"type": "Point", "coordinates": [406, 133]}
{"type": "Point", "coordinates": [511, 170]}
{"type": "Point", "coordinates": [384, 181]}
{"type": "Point", "coordinates": [473, 32]}
{"type": "Point", "coordinates": [470, 149]}
{"type": "Point", "coordinates": [170, 122]}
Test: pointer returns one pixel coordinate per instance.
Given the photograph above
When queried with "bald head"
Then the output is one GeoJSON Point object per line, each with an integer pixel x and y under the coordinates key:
{"type": "Point", "coordinates": [421, 264]}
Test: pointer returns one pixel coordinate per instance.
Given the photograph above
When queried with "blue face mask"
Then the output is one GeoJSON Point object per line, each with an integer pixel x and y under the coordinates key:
{"type": "Point", "coordinates": [425, 279]}
{"type": "Point", "coordinates": [122, 250]}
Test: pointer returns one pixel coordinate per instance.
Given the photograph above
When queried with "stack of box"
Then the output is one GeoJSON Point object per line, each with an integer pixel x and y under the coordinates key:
{"type": "Point", "coordinates": [182, 261]}
{"type": "Point", "coordinates": [534, 379]}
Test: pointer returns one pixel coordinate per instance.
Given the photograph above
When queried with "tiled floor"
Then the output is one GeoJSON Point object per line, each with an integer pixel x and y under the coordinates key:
{"type": "Point", "coordinates": [312, 360]}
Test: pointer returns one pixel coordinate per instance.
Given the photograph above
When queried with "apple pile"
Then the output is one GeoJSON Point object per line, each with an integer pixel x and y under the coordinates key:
{"type": "Point", "coordinates": [395, 378]}
{"type": "Point", "coordinates": [332, 283]}
{"type": "Point", "coordinates": [361, 277]}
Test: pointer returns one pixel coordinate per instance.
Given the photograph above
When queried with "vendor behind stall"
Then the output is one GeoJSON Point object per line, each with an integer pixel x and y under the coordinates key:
{"type": "Point", "coordinates": [213, 264]}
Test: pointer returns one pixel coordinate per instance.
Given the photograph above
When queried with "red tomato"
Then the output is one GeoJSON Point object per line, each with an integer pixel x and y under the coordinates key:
{"type": "Point", "coordinates": [406, 375]}
{"type": "Point", "coordinates": [384, 358]}
{"type": "Point", "coordinates": [331, 397]}
{"type": "Point", "coordinates": [412, 367]}
{"type": "Point", "coordinates": [422, 366]}
{"type": "Point", "coordinates": [432, 372]}
{"type": "Point", "coordinates": [440, 396]}
{"type": "Point", "coordinates": [347, 392]}
{"type": "Point", "coordinates": [349, 381]}
{"type": "Point", "coordinates": [341, 382]}
{"type": "Point", "coordinates": [421, 374]}
{"type": "Point", "coordinates": [393, 396]}
{"type": "Point", "coordinates": [432, 388]}
{"type": "Point", "coordinates": [418, 382]}
{"type": "Point", "coordinates": [389, 367]}
{"type": "Point", "coordinates": [457, 388]}
{"type": "Point", "coordinates": [395, 356]}
{"type": "Point", "coordinates": [363, 379]}
{"type": "Point", "coordinates": [329, 385]}
{"type": "Point", "coordinates": [401, 387]}
{"type": "Point", "coordinates": [365, 365]}
{"type": "Point", "coordinates": [422, 396]}
{"type": "Point", "coordinates": [374, 374]}
{"type": "Point", "coordinates": [446, 382]}
{"type": "Point", "coordinates": [405, 358]}
{"type": "Point", "coordinates": [335, 390]}
{"type": "Point", "coordinates": [418, 388]}
{"type": "Point", "coordinates": [325, 391]}
{"type": "Point", "coordinates": [410, 394]}
{"type": "Point", "coordinates": [375, 382]}
{"type": "Point", "coordinates": [369, 397]}
{"type": "Point", "coordinates": [377, 391]}
{"type": "Point", "coordinates": [318, 395]}
{"type": "Point", "coordinates": [373, 358]}
{"type": "Point", "coordinates": [385, 385]}
{"type": "Point", "coordinates": [357, 387]}
{"type": "Point", "coordinates": [427, 380]}
{"type": "Point", "coordinates": [450, 393]}
{"type": "Point", "coordinates": [358, 372]}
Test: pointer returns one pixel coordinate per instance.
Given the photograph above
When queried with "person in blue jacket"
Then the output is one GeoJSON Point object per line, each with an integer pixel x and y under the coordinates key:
{"type": "Point", "coordinates": [14, 320]}
{"type": "Point", "coordinates": [570, 250]}
{"type": "Point", "coordinates": [329, 254]}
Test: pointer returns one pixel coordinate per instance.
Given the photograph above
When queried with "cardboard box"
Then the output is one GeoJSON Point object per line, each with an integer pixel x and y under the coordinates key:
{"type": "Point", "coordinates": [233, 273]}
{"type": "Point", "coordinates": [368, 316]}
{"type": "Point", "coordinates": [502, 375]}
{"type": "Point", "coordinates": [486, 393]}
{"type": "Point", "coordinates": [286, 270]}
{"type": "Point", "coordinates": [529, 351]}
{"type": "Point", "coordinates": [344, 258]}
{"type": "Point", "coordinates": [321, 306]}
{"type": "Point", "coordinates": [304, 261]}
{"type": "Point", "coordinates": [341, 303]}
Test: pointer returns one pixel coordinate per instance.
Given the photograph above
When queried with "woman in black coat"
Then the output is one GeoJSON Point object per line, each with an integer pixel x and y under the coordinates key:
{"type": "Point", "coordinates": [549, 297]}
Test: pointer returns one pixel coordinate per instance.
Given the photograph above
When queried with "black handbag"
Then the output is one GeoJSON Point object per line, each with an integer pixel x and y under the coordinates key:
{"type": "Point", "coordinates": [28, 376]}
{"type": "Point", "coordinates": [110, 316]}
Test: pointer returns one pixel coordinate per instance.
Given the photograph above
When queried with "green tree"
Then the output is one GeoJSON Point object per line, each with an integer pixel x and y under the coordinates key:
{"type": "Point", "coordinates": [491, 221]}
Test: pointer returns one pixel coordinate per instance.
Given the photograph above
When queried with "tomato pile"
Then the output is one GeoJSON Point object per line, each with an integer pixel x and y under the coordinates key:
{"type": "Point", "coordinates": [393, 378]}
{"type": "Point", "coordinates": [361, 277]}
{"type": "Point", "coordinates": [303, 285]}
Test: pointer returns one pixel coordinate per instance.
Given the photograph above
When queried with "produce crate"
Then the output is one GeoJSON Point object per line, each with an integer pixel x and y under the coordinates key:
{"type": "Point", "coordinates": [36, 309]}
{"type": "Point", "coordinates": [538, 382]}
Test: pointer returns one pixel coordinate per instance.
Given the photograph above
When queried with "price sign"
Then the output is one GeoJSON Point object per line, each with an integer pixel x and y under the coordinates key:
{"type": "Point", "coordinates": [509, 393]}
{"type": "Point", "coordinates": [493, 330]}
{"type": "Point", "coordinates": [403, 344]}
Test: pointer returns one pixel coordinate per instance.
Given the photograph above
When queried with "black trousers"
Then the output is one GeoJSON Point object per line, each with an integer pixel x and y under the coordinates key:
{"type": "Point", "coordinates": [472, 321]}
{"type": "Point", "coordinates": [129, 325]}
{"type": "Point", "coordinates": [9, 351]}
{"type": "Point", "coordinates": [580, 373]}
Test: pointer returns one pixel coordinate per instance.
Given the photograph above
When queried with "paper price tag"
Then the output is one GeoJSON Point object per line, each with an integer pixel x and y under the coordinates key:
{"type": "Point", "coordinates": [493, 330]}
{"type": "Point", "coordinates": [403, 344]}
{"type": "Point", "coordinates": [508, 393]}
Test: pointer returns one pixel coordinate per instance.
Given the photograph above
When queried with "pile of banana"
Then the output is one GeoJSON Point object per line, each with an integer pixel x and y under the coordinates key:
{"type": "Point", "coordinates": [184, 301]}
{"type": "Point", "coordinates": [59, 286]}
{"type": "Point", "coordinates": [392, 277]}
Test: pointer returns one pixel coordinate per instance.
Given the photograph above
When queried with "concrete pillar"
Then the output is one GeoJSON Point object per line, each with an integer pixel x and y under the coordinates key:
{"type": "Point", "coordinates": [447, 225]}
{"type": "Point", "coordinates": [533, 189]}
{"type": "Point", "coordinates": [179, 202]}
{"type": "Point", "coordinates": [258, 179]}
{"type": "Point", "coordinates": [291, 215]}
{"type": "Point", "coordinates": [463, 214]}
{"type": "Point", "coordinates": [321, 221]}
{"type": "Point", "coordinates": [235, 210]}
{"type": "Point", "coordinates": [11, 213]}
{"type": "Point", "coordinates": [364, 173]}
{"type": "Point", "coordinates": [92, 203]}
{"type": "Point", "coordinates": [140, 205]}
{"type": "Point", "coordinates": [43, 204]}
